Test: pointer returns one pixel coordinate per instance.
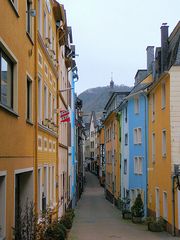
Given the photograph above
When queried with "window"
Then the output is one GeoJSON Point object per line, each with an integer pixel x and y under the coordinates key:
{"type": "Point", "coordinates": [165, 205]}
{"type": "Point", "coordinates": [92, 144]}
{"type": "Point", "coordinates": [40, 143]}
{"type": "Point", "coordinates": [39, 100]}
{"type": "Point", "coordinates": [153, 147]}
{"type": "Point", "coordinates": [6, 80]}
{"type": "Point", "coordinates": [46, 188]}
{"type": "Point", "coordinates": [45, 26]}
{"type": "Point", "coordinates": [40, 59]}
{"type": "Point", "coordinates": [125, 114]}
{"type": "Point", "coordinates": [54, 109]}
{"type": "Point", "coordinates": [138, 165]}
{"type": "Point", "coordinates": [126, 139]}
{"type": "Point", "coordinates": [54, 185]}
{"type": "Point", "coordinates": [164, 143]}
{"type": "Point", "coordinates": [153, 107]}
{"type": "Point", "coordinates": [50, 106]}
{"type": "Point", "coordinates": [45, 144]}
{"type": "Point", "coordinates": [50, 146]}
{"type": "Point", "coordinates": [137, 136]}
{"type": "Point", "coordinates": [114, 130]}
{"type": "Point", "coordinates": [40, 189]}
{"type": "Point", "coordinates": [54, 146]}
{"type": "Point", "coordinates": [40, 16]}
{"type": "Point", "coordinates": [29, 99]}
{"type": "Point", "coordinates": [28, 17]}
{"type": "Point", "coordinates": [46, 69]}
{"type": "Point", "coordinates": [136, 105]}
{"type": "Point", "coordinates": [2, 205]}
{"type": "Point", "coordinates": [45, 102]}
{"type": "Point", "coordinates": [163, 92]}
{"type": "Point", "coordinates": [125, 166]}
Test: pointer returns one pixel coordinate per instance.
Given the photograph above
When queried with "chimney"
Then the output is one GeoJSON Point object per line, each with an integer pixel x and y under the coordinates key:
{"type": "Point", "coordinates": [150, 58]}
{"type": "Point", "coordinates": [164, 46]}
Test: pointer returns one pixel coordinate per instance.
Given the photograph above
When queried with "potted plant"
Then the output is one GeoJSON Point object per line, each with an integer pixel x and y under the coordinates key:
{"type": "Point", "coordinates": [156, 224]}
{"type": "Point", "coordinates": [137, 210]}
{"type": "Point", "coordinates": [125, 208]}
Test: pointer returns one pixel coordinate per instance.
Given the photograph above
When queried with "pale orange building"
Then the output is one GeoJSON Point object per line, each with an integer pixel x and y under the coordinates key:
{"type": "Point", "coordinates": [17, 111]}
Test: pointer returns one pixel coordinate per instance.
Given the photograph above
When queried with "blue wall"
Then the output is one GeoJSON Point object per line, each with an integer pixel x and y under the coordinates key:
{"type": "Point", "coordinates": [136, 121]}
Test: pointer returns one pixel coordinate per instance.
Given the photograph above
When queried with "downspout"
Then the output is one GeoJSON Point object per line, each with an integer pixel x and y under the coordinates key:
{"type": "Point", "coordinates": [146, 148]}
{"type": "Point", "coordinates": [173, 207]}
{"type": "Point", "coordinates": [57, 124]}
{"type": "Point", "coordinates": [36, 112]}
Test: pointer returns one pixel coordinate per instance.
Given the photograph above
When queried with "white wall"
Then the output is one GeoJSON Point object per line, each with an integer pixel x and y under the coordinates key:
{"type": "Point", "coordinates": [175, 114]}
{"type": "Point", "coordinates": [124, 154]}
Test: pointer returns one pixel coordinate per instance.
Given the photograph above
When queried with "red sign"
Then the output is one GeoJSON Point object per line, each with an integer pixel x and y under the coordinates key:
{"type": "Point", "coordinates": [64, 116]}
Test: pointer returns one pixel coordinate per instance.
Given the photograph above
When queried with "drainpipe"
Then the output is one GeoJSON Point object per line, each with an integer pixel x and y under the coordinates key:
{"type": "Point", "coordinates": [146, 148]}
{"type": "Point", "coordinates": [36, 112]}
{"type": "Point", "coordinates": [173, 207]}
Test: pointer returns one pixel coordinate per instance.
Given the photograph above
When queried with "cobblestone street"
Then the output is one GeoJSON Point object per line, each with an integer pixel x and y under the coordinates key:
{"type": "Point", "coordinates": [97, 219]}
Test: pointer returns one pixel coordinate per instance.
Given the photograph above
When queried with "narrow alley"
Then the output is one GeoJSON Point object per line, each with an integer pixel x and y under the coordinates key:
{"type": "Point", "coordinates": [97, 219]}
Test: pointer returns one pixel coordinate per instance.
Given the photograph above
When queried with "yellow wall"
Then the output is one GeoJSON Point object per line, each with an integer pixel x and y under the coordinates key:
{"type": "Point", "coordinates": [111, 143]}
{"type": "Point", "coordinates": [17, 136]}
{"type": "Point", "coordinates": [159, 174]}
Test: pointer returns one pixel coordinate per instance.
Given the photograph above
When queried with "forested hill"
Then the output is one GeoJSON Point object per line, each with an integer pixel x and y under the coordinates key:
{"type": "Point", "coordinates": [95, 99]}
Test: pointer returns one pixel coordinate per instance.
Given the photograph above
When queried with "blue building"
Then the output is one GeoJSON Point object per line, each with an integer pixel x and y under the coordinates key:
{"type": "Point", "coordinates": [138, 140]}
{"type": "Point", "coordinates": [134, 136]}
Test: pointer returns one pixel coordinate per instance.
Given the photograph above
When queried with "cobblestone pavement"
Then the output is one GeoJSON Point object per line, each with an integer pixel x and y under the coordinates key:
{"type": "Point", "coordinates": [97, 219]}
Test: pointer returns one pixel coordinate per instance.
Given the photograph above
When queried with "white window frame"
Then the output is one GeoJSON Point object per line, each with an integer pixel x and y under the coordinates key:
{"type": "Point", "coordinates": [163, 95]}
{"type": "Point", "coordinates": [40, 57]}
{"type": "Point", "coordinates": [138, 135]}
{"type": "Point", "coordinates": [50, 148]}
{"type": "Point", "coordinates": [39, 98]}
{"type": "Point", "coordinates": [46, 69]}
{"type": "Point", "coordinates": [40, 189]}
{"type": "Point", "coordinates": [14, 60]}
{"type": "Point", "coordinates": [153, 107]}
{"type": "Point", "coordinates": [165, 205]}
{"type": "Point", "coordinates": [28, 17]}
{"type": "Point", "coordinates": [45, 140]}
{"type": "Point", "coordinates": [45, 102]}
{"type": "Point", "coordinates": [153, 147]}
{"type": "Point", "coordinates": [39, 147]}
{"type": "Point", "coordinates": [46, 181]}
{"type": "Point", "coordinates": [4, 175]}
{"type": "Point", "coordinates": [40, 16]}
{"type": "Point", "coordinates": [138, 165]}
{"type": "Point", "coordinates": [164, 143]}
{"type": "Point", "coordinates": [136, 105]}
{"type": "Point", "coordinates": [29, 78]}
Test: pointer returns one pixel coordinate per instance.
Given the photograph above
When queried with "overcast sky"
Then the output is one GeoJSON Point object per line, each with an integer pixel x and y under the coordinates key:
{"type": "Point", "coordinates": [112, 36]}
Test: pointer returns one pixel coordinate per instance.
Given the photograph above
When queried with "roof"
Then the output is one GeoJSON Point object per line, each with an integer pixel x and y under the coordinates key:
{"type": "Point", "coordinates": [113, 95]}
{"type": "Point", "coordinates": [139, 87]}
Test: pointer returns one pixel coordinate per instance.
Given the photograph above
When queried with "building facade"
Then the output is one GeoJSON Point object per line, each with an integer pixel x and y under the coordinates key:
{"type": "Point", "coordinates": [17, 112]}
{"type": "Point", "coordinates": [163, 194]}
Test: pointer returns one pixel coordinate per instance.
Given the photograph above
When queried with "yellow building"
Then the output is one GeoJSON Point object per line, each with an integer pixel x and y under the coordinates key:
{"type": "Point", "coordinates": [47, 78]}
{"type": "Point", "coordinates": [163, 133]}
{"type": "Point", "coordinates": [17, 111]}
{"type": "Point", "coordinates": [101, 155]}
{"type": "Point", "coordinates": [112, 156]}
